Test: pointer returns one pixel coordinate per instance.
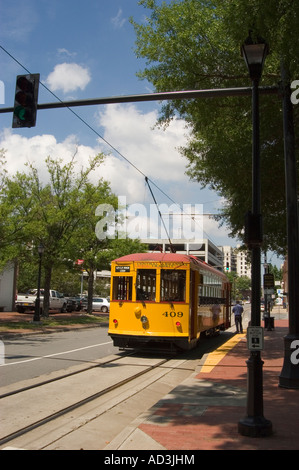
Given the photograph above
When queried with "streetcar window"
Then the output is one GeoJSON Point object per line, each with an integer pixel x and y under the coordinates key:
{"type": "Point", "coordinates": [146, 284]}
{"type": "Point", "coordinates": [173, 285]}
{"type": "Point", "coordinates": [122, 288]}
{"type": "Point", "coordinates": [210, 290]}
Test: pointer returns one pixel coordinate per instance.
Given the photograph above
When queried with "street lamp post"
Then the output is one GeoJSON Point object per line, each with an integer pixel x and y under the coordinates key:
{"type": "Point", "coordinates": [254, 424]}
{"type": "Point", "coordinates": [37, 300]}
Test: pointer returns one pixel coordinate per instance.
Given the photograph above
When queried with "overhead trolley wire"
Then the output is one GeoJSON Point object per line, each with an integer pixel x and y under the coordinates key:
{"type": "Point", "coordinates": [76, 114]}
{"type": "Point", "coordinates": [159, 212]}
{"type": "Point", "coordinates": [89, 126]}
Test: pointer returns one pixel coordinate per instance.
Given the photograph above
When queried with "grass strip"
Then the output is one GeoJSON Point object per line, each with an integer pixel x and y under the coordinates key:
{"type": "Point", "coordinates": [50, 322]}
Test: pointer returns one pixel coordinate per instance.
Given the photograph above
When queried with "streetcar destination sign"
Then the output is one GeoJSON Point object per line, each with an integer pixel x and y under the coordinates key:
{"type": "Point", "coordinates": [122, 269]}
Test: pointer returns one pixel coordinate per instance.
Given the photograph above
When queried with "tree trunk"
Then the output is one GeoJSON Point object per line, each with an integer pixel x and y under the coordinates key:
{"type": "Point", "coordinates": [90, 290]}
{"type": "Point", "coordinates": [47, 286]}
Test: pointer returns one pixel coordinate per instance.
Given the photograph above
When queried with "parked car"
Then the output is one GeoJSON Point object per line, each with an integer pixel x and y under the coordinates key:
{"type": "Point", "coordinates": [71, 305]}
{"type": "Point", "coordinates": [25, 302]}
{"type": "Point", "coordinates": [99, 304]}
{"type": "Point", "coordinates": [76, 302]}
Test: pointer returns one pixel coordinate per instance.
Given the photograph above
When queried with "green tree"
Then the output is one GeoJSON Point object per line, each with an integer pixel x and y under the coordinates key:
{"type": "Point", "coordinates": [276, 272]}
{"type": "Point", "coordinates": [241, 286]}
{"type": "Point", "coordinates": [62, 214]}
{"type": "Point", "coordinates": [16, 216]}
{"type": "Point", "coordinates": [83, 242]}
{"type": "Point", "coordinates": [93, 245]}
{"type": "Point", "coordinates": [35, 212]}
{"type": "Point", "coordinates": [195, 44]}
{"type": "Point", "coordinates": [62, 207]}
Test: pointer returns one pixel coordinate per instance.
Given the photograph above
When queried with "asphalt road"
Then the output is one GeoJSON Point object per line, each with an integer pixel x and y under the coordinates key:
{"type": "Point", "coordinates": [30, 356]}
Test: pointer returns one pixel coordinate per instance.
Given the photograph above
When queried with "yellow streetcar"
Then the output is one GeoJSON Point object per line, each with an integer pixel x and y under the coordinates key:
{"type": "Point", "coordinates": [166, 299]}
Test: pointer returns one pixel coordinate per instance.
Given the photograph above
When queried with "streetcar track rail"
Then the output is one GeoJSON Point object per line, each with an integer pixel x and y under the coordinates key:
{"type": "Point", "coordinates": [46, 386]}
{"type": "Point", "coordinates": [38, 423]}
{"type": "Point", "coordinates": [61, 377]}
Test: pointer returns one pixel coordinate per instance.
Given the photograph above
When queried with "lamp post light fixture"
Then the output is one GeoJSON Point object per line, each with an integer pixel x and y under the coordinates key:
{"type": "Point", "coordinates": [254, 424]}
{"type": "Point", "coordinates": [254, 54]}
{"type": "Point", "coordinates": [37, 300]}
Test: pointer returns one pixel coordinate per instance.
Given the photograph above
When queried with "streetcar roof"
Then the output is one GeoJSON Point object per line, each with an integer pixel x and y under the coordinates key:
{"type": "Point", "coordinates": [168, 258]}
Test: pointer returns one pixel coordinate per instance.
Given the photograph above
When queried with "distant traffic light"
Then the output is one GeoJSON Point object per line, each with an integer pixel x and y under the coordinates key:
{"type": "Point", "coordinates": [227, 267]}
{"type": "Point", "coordinates": [25, 104]}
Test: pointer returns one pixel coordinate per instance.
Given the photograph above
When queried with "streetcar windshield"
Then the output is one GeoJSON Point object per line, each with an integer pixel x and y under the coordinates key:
{"type": "Point", "coordinates": [122, 288]}
{"type": "Point", "coordinates": [173, 285]}
{"type": "Point", "coordinates": [146, 285]}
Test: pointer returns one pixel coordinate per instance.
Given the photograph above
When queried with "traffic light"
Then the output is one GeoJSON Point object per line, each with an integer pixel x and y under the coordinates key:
{"type": "Point", "coordinates": [25, 105]}
{"type": "Point", "coordinates": [227, 267]}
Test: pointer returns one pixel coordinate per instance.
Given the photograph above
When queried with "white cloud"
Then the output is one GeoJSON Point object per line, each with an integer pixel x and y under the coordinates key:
{"type": "Point", "coordinates": [62, 51]}
{"type": "Point", "coordinates": [152, 150]}
{"type": "Point", "coordinates": [68, 77]}
{"type": "Point", "coordinates": [20, 150]}
{"type": "Point", "coordinates": [118, 21]}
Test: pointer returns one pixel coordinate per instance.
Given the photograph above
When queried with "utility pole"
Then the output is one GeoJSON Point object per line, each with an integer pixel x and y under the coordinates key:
{"type": "Point", "coordinates": [289, 376]}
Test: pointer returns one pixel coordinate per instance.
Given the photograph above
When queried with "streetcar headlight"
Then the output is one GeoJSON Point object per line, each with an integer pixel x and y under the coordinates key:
{"type": "Point", "coordinates": [144, 322]}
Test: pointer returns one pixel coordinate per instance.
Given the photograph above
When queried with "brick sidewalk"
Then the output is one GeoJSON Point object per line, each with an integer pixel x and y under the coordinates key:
{"type": "Point", "coordinates": [203, 413]}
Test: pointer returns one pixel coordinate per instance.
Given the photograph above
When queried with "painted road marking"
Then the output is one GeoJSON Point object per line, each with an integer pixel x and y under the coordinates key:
{"type": "Point", "coordinates": [55, 354]}
{"type": "Point", "coordinates": [216, 356]}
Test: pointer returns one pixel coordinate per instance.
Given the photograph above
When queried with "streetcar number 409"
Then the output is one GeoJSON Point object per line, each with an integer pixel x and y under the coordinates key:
{"type": "Point", "coordinates": [172, 314]}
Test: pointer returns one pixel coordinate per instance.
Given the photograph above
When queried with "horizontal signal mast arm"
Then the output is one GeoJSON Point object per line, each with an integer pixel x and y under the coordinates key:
{"type": "Point", "coordinates": [172, 95]}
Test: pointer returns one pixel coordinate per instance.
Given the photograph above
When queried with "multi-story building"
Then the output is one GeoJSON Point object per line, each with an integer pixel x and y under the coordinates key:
{"type": "Point", "coordinates": [243, 264]}
{"type": "Point", "coordinates": [203, 249]}
{"type": "Point", "coordinates": [236, 261]}
{"type": "Point", "coordinates": [228, 258]}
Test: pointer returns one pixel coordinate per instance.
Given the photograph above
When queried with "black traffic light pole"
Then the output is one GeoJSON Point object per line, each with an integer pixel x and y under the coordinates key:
{"type": "Point", "coordinates": [173, 95]}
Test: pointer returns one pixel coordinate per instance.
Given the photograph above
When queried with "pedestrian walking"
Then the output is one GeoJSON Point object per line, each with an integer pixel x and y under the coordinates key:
{"type": "Point", "coordinates": [238, 310]}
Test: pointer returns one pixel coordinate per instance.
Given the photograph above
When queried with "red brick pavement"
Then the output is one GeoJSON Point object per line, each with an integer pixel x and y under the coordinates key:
{"type": "Point", "coordinates": [216, 427]}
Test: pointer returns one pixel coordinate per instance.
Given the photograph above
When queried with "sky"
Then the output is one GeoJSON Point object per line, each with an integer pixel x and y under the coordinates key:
{"type": "Point", "coordinates": [85, 50]}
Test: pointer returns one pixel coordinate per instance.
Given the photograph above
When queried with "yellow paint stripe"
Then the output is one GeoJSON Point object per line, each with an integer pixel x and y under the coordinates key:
{"type": "Point", "coordinates": [216, 356]}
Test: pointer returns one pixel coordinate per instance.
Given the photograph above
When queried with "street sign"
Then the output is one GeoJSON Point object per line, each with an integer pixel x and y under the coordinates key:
{"type": "Point", "coordinates": [255, 338]}
{"type": "Point", "coordinates": [268, 281]}
{"type": "Point", "coordinates": [269, 291]}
